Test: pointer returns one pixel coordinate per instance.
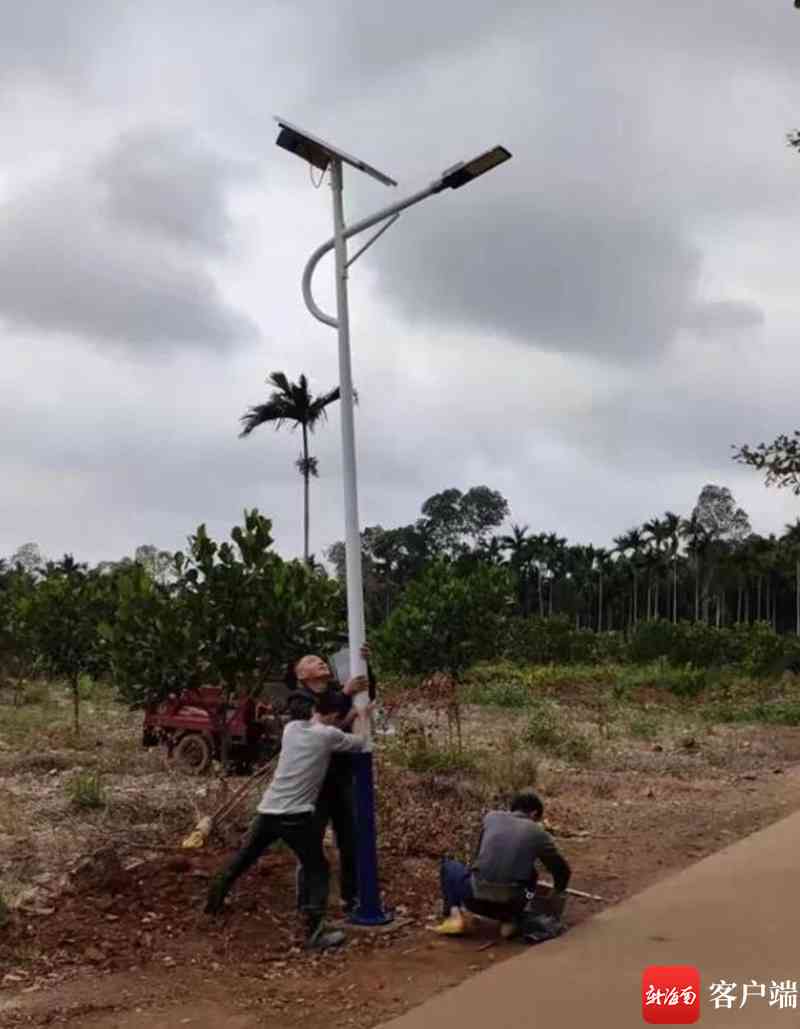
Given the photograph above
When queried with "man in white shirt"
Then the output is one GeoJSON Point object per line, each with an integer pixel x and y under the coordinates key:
{"type": "Point", "coordinates": [286, 812]}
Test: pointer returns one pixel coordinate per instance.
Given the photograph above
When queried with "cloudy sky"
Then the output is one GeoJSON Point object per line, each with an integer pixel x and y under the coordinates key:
{"type": "Point", "coordinates": [588, 329]}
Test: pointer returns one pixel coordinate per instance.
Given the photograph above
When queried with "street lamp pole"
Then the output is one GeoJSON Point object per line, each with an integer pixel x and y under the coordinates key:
{"type": "Point", "coordinates": [324, 156]}
{"type": "Point", "coordinates": [355, 592]}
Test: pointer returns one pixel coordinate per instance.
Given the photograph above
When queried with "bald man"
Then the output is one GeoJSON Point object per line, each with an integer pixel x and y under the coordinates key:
{"type": "Point", "coordinates": [335, 803]}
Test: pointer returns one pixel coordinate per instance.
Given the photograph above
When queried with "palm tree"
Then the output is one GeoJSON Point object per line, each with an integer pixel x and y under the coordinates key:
{"type": "Point", "coordinates": [671, 524]}
{"type": "Point", "coordinates": [292, 402]}
{"type": "Point", "coordinates": [656, 537]}
{"type": "Point", "coordinates": [518, 546]}
{"type": "Point", "coordinates": [605, 567]}
{"type": "Point", "coordinates": [580, 561]}
{"type": "Point", "coordinates": [632, 541]}
{"type": "Point", "coordinates": [696, 543]}
{"type": "Point", "coordinates": [552, 549]}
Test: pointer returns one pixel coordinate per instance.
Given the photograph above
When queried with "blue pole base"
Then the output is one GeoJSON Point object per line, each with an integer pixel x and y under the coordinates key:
{"type": "Point", "coordinates": [369, 911]}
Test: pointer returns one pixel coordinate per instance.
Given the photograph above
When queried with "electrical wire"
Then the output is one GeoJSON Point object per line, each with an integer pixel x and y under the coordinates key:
{"type": "Point", "coordinates": [316, 185]}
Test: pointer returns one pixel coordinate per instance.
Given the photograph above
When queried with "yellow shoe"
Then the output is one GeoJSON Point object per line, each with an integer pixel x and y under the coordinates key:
{"type": "Point", "coordinates": [452, 926]}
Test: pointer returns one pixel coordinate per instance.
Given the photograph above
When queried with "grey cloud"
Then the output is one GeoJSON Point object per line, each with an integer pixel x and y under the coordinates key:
{"type": "Point", "coordinates": [593, 281]}
{"type": "Point", "coordinates": [721, 316]}
{"type": "Point", "coordinates": [164, 181]}
{"type": "Point", "coordinates": [64, 267]}
{"type": "Point", "coordinates": [643, 133]}
{"type": "Point", "coordinates": [41, 38]}
{"type": "Point", "coordinates": [685, 415]}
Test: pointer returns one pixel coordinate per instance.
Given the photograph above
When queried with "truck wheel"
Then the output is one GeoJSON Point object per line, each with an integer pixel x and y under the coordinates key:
{"type": "Point", "coordinates": [192, 754]}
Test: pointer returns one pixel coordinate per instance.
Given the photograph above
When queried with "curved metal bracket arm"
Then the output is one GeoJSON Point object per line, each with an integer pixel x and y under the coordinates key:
{"type": "Point", "coordinates": [354, 230]}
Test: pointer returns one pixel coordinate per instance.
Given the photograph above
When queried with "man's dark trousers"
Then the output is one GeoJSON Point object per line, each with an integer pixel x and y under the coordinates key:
{"type": "Point", "coordinates": [336, 805]}
{"type": "Point", "coordinates": [300, 833]}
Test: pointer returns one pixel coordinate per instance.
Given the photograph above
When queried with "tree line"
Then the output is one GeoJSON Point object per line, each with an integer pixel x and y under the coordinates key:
{"type": "Point", "coordinates": [705, 566]}
{"type": "Point", "coordinates": [448, 589]}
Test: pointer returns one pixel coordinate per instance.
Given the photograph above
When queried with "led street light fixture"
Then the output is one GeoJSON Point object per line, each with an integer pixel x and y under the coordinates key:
{"type": "Point", "coordinates": [460, 174]}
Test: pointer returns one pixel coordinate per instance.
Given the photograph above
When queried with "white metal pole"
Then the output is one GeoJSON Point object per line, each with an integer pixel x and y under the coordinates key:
{"type": "Point", "coordinates": [355, 589]}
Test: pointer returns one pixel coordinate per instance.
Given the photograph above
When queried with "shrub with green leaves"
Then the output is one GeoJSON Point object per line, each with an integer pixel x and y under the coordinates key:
{"type": "Point", "coordinates": [233, 616]}
{"type": "Point", "coordinates": [448, 619]}
{"type": "Point", "coordinates": [85, 790]}
{"type": "Point", "coordinates": [756, 648]}
{"type": "Point", "coordinates": [59, 621]}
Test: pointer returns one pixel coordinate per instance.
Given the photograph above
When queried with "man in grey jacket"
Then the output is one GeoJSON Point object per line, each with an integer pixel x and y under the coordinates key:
{"type": "Point", "coordinates": [504, 871]}
{"type": "Point", "coordinates": [286, 811]}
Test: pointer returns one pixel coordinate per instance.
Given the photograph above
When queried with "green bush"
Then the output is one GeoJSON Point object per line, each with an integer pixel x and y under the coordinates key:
{"type": "Point", "coordinates": [85, 790]}
{"type": "Point", "coordinates": [542, 641]}
{"type": "Point", "coordinates": [610, 648]}
{"type": "Point", "coordinates": [776, 712]}
{"type": "Point", "coordinates": [448, 619]}
{"type": "Point", "coordinates": [5, 913]}
{"type": "Point", "coordinates": [683, 681]}
{"type": "Point", "coordinates": [756, 648]}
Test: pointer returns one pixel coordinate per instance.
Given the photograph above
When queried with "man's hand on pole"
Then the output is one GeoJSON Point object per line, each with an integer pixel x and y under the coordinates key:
{"type": "Point", "coordinates": [356, 685]}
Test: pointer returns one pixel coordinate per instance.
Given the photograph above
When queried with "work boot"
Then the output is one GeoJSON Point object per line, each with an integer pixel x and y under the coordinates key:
{"type": "Point", "coordinates": [320, 938]}
{"type": "Point", "coordinates": [217, 892]}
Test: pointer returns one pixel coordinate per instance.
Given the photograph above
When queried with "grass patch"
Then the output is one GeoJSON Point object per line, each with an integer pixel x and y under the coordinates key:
{"type": "Point", "coordinates": [510, 767]}
{"type": "Point", "coordinates": [551, 730]}
{"type": "Point", "coordinates": [769, 712]}
{"type": "Point", "coordinates": [681, 680]}
{"type": "Point", "coordinates": [12, 819]}
{"type": "Point", "coordinates": [497, 694]}
{"type": "Point", "coordinates": [442, 760]}
{"type": "Point", "coordinates": [735, 699]}
{"type": "Point", "coordinates": [644, 725]}
{"type": "Point", "coordinates": [85, 791]}
{"type": "Point", "coordinates": [415, 750]}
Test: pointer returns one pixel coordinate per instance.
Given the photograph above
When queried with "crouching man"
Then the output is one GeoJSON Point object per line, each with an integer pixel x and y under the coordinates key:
{"type": "Point", "coordinates": [286, 812]}
{"type": "Point", "coordinates": [504, 872]}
